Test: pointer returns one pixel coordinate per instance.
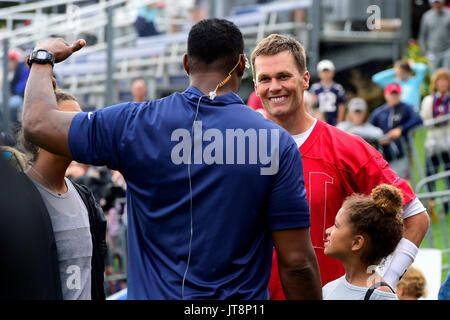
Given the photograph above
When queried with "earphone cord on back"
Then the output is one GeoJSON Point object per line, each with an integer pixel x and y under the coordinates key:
{"type": "Point", "coordinates": [191, 200]}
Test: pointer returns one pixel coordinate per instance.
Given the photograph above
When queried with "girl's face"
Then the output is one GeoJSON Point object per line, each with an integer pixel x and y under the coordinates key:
{"type": "Point", "coordinates": [339, 237]}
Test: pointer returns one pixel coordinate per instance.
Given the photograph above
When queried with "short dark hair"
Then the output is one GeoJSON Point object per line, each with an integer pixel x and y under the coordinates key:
{"type": "Point", "coordinates": [217, 41]}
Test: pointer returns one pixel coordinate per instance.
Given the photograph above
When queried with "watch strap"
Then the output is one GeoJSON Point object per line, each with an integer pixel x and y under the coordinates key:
{"type": "Point", "coordinates": [49, 58]}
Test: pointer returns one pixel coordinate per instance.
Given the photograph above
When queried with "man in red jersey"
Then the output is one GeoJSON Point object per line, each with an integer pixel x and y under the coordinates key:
{"type": "Point", "coordinates": [335, 164]}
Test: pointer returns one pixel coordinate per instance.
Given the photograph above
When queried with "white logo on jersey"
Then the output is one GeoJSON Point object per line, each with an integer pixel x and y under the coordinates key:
{"type": "Point", "coordinates": [89, 115]}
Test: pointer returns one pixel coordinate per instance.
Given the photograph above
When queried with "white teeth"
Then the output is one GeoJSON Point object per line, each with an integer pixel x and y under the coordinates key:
{"type": "Point", "coordinates": [277, 99]}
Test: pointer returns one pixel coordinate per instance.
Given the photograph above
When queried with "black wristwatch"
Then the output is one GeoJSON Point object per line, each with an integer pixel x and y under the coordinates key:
{"type": "Point", "coordinates": [41, 57]}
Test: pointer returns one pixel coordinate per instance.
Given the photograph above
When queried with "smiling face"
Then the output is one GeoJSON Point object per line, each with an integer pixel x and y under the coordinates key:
{"type": "Point", "coordinates": [279, 84]}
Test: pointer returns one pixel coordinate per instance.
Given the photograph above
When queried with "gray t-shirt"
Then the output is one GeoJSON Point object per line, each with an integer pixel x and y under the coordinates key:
{"type": "Point", "coordinates": [341, 289]}
{"type": "Point", "coordinates": [366, 130]}
{"type": "Point", "coordinates": [70, 222]}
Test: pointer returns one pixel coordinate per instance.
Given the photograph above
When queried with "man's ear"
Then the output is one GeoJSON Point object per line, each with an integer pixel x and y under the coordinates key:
{"type": "Point", "coordinates": [255, 86]}
{"type": "Point", "coordinates": [242, 63]}
{"type": "Point", "coordinates": [185, 63]}
{"type": "Point", "coordinates": [306, 77]}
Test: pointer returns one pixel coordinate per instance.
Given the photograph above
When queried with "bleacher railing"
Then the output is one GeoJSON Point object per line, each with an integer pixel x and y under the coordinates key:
{"type": "Point", "coordinates": [421, 182]}
{"type": "Point", "coordinates": [158, 60]}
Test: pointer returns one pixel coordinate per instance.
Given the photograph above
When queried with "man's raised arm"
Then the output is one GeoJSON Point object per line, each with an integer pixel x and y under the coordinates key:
{"type": "Point", "coordinates": [43, 124]}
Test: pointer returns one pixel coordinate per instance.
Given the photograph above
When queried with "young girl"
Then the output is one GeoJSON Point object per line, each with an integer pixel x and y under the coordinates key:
{"type": "Point", "coordinates": [366, 230]}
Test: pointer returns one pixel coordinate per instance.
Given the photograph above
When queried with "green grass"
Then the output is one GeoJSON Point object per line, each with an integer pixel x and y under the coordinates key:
{"type": "Point", "coordinates": [437, 229]}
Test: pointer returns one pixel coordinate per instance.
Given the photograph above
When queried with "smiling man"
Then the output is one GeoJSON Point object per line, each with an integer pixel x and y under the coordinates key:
{"type": "Point", "coordinates": [335, 164]}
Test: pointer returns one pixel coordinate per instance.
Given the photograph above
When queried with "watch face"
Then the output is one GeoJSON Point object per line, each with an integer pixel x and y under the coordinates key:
{"type": "Point", "coordinates": [41, 55]}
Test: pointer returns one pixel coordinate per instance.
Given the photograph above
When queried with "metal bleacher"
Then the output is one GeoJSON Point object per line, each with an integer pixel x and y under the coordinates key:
{"type": "Point", "coordinates": [156, 59]}
{"type": "Point", "coordinates": [422, 182]}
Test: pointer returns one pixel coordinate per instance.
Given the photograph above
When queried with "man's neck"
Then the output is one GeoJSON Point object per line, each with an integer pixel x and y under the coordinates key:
{"type": "Point", "coordinates": [295, 124]}
{"type": "Point", "coordinates": [439, 10]}
{"type": "Point", "coordinates": [140, 99]}
{"type": "Point", "coordinates": [393, 105]}
{"type": "Point", "coordinates": [207, 82]}
{"type": "Point", "coordinates": [49, 170]}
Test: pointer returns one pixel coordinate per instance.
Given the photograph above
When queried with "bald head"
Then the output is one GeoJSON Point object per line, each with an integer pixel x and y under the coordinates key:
{"type": "Point", "coordinates": [139, 90]}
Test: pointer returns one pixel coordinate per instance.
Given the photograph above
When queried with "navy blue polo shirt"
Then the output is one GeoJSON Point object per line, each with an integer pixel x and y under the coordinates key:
{"type": "Point", "coordinates": [401, 116]}
{"type": "Point", "coordinates": [246, 178]}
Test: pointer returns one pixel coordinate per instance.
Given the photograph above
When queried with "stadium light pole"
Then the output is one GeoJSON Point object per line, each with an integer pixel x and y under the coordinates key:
{"type": "Point", "coordinates": [405, 29]}
{"type": "Point", "coordinates": [109, 93]}
{"type": "Point", "coordinates": [315, 18]}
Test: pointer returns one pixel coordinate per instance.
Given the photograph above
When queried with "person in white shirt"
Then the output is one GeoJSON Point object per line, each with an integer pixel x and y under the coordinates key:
{"type": "Point", "coordinates": [366, 230]}
{"type": "Point", "coordinates": [357, 122]}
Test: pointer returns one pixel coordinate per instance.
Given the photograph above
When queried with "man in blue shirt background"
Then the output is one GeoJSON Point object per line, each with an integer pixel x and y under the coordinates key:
{"type": "Point", "coordinates": [212, 186]}
{"type": "Point", "coordinates": [395, 118]}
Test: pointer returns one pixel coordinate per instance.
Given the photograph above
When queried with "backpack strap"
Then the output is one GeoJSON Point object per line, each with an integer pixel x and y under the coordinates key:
{"type": "Point", "coordinates": [374, 286]}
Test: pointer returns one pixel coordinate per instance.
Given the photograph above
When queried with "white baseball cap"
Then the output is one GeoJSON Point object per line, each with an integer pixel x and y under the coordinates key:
{"type": "Point", "coordinates": [357, 104]}
{"type": "Point", "coordinates": [325, 65]}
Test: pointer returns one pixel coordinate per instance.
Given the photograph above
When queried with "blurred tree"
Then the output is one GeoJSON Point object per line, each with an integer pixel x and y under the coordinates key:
{"type": "Point", "coordinates": [415, 53]}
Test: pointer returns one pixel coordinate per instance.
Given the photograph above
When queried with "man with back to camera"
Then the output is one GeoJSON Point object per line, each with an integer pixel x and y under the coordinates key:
{"type": "Point", "coordinates": [335, 164]}
{"type": "Point", "coordinates": [196, 230]}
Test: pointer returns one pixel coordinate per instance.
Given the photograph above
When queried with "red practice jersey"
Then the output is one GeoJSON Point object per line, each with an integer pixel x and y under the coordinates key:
{"type": "Point", "coordinates": [336, 165]}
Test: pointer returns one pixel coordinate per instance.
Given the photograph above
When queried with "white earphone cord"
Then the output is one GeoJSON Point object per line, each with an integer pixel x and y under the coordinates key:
{"type": "Point", "coordinates": [191, 200]}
